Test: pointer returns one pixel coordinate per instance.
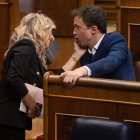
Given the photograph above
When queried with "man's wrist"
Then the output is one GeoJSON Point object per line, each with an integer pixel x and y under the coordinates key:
{"type": "Point", "coordinates": [83, 71]}
{"type": "Point", "coordinates": [88, 70]}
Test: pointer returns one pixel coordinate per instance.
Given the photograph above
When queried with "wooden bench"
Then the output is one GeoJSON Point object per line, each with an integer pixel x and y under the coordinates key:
{"type": "Point", "coordinates": [90, 97]}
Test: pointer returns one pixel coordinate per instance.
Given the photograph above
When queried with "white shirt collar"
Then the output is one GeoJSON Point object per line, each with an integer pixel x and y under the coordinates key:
{"type": "Point", "coordinates": [96, 46]}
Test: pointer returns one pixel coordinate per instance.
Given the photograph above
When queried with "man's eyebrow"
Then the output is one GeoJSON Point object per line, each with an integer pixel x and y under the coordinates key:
{"type": "Point", "coordinates": [75, 25]}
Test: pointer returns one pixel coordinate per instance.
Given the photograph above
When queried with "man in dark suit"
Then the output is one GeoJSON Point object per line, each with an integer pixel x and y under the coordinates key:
{"type": "Point", "coordinates": [101, 54]}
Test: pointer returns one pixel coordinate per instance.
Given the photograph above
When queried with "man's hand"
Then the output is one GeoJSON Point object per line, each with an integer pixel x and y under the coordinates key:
{"type": "Point", "coordinates": [70, 77]}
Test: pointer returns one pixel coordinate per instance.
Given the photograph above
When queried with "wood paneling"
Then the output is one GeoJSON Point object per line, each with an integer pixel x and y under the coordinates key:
{"type": "Point", "coordinates": [129, 3]}
{"type": "Point", "coordinates": [131, 16]}
{"type": "Point", "coordinates": [90, 97]}
{"type": "Point", "coordinates": [130, 113]}
{"type": "Point", "coordinates": [109, 6]}
{"type": "Point", "coordinates": [14, 15]}
{"type": "Point", "coordinates": [3, 2]}
{"type": "Point", "coordinates": [66, 49]}
{"type": "Point", "coordinates": [60, 13]}
{"type": "Point", "coordinates": [128, 24]}
{"type": "Point", "coordinates": [134, 41]}
{"type": "Point", "coordinates": [127, 12]}
{"type": "Point", "coordinates": [85, 2]}
{"type": "Point", "coordinates": [4, 29]}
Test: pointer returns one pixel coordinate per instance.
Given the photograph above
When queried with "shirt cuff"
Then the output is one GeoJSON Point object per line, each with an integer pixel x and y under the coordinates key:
{"type": "Point", "coordinates": [89, 71]}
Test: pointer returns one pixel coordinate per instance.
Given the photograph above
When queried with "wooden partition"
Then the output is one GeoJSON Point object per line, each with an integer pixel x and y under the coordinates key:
{"type": "Point", "coordinates": [127, 12]}
{"type": "Point", "coordinates": [133, 40]}
{"type": "Point", "coordinates": [91, 97]}
{"type": "Point", "coordinates": [109, 6]}
{"type": "Point", "coordinates": [4, 32]}
{"type": "Point", "coordinates": [128, 24]}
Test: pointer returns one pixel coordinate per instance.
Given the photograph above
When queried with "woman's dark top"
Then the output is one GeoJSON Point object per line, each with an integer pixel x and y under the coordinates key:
{"type": "Point", "coordinates": [20, 66]}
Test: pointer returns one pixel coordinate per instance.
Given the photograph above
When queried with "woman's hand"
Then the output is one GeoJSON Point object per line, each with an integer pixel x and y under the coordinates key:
{"type": "Point", "coordinates": [77, 54]}
{"type": "Point", "coordinates": [78, 51]}
{"type": "Point", "coordinates": [32, 108]}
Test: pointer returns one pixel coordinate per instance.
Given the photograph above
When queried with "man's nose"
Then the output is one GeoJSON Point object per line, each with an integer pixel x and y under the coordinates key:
{"type": "Point", "coordinates": [74, 32]}
{"type": "Point", "coordinates": [51, 38]}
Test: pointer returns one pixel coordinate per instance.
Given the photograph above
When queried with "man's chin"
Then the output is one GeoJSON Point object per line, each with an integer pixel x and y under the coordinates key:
{"type": "Point", "coordinates": [83, 47]}
{"type": "Point", "coordinates": [80, 45]}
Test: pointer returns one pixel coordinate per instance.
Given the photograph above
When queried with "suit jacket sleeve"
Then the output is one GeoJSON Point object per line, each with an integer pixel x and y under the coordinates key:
{"type": "Point", "coordinates": [22, 57]}
{"type": "Point", "coordinates": [116, 50]}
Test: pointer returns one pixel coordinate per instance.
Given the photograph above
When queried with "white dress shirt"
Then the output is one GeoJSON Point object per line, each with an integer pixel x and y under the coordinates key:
{"type": "Point", "coordinates": [93, 51]}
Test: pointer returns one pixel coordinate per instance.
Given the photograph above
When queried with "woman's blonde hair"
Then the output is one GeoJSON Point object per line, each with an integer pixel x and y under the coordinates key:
{"type": "Point", "coordinates": [35, 27]}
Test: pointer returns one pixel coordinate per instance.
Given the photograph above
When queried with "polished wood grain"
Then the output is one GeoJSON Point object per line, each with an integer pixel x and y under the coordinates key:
{"type": "Point", "coordinates": [134, 41]}
{"type": "Point", "coordinates": [130, 3]}
{"type": "Point", "coordinates": [4, 32]}
{"type": "Point", "coordinates": [130, 10]}
{"type": "Point", "coordinates": [109, 6]}
{"type": "Point", "coordinates": [91, 97]}
{"type": "Point", "coordinates": [60, 13]}
{"type": "Point", "coordinates": [128, 24]}
{"type": "Point", "coordinates": [85, 2]}
{"type": "Point", "coordinates": [15, 15]}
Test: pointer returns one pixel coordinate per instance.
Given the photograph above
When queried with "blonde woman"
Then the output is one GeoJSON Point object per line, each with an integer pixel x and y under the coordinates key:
{"type": "Point", "coordinates": [25, 61]}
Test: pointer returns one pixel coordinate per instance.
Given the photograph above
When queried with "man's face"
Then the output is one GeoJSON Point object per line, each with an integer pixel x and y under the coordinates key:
{"type": "Point", "coordinates": [82, 34]}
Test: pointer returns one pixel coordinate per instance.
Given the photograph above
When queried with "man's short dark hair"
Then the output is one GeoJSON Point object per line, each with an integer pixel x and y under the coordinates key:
{"type": "Point", "coordinates": [92, 15]}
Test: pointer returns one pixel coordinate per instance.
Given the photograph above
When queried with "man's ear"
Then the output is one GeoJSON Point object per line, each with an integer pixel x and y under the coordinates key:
{"type": "Point", "coordinates": [93, 29]}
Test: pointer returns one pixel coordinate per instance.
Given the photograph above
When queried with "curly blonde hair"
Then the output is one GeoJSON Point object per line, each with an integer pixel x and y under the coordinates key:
{"type": "Point", "coordinates": [35, 27]}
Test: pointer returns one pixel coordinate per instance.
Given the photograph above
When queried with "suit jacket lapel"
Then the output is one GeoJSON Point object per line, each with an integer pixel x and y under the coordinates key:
{"type": "Point", "coordinates": [102, 49]}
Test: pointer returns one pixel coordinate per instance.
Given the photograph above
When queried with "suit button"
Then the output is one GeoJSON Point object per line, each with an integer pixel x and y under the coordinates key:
{"type": "Point", "coordinates": [38, 73]}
